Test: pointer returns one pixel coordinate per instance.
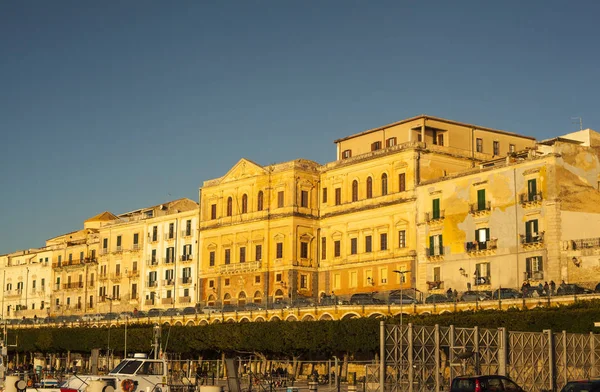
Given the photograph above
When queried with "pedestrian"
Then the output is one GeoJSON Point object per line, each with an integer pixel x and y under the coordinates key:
{"type": "Point", "coordinates": [552, 287]}
{"type": "Point", "coordinates": [449, 293]}
{"type": "Point", "coordinates": [455, 294]}
{"type": "Point", "coordinates": [524, 289]}
{"type": "Point", "coordinates": [546, 288]}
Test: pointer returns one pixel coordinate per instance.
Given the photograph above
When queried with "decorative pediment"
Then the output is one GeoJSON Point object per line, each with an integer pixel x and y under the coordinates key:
{"type": "Point", "coordinates": [401, 223]}
{"type": "Point", "coordinates": [243, 169]}
{"type": "Point", "coordinates": [336, 235]}
{"type": "Point", "coordinates": [306, 237]}
{"type": "Point", "coordinates": [279, 236]}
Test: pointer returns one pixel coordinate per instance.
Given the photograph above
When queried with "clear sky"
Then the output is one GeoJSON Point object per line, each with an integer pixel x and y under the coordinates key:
{"type": "Point", "coordinates": [118, 105]}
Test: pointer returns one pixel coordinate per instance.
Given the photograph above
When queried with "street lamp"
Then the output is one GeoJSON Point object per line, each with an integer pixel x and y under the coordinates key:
{"type": "Point", "coordinates": [401, 273]}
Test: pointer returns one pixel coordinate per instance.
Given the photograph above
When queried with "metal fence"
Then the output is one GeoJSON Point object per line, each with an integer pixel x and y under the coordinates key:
{"type": "Point", "coordinates": [427, 358]}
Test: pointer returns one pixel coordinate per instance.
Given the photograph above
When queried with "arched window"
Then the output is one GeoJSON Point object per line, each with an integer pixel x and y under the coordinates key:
{"type": "Point", "coordinates": [354, 190]}
{"type": "Point", "coordinates": [383, 184]}
{"type": "Point", "coordinates": [227, 299]}
{"type": "Point", "coordinates": [241, 299]}
{"type": "Point", "coordinates": [229, 206]}
{"type": "Point", "coordinates": [278, 295]}
{"type": "Point", "coordinates": [244, 203]}
{"type": "Point", "coordinates": [260, 201]}
{"type": "Point", "coordinates": [211, 300]}
{"type": "Point", "coordinates": [257, 297]}
{"type": "Point", "coordinates": [369, 187]}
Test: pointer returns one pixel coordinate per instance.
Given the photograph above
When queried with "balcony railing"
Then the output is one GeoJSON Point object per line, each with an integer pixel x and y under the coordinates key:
{"type": "Point", "coordinates": [103, 251]}
{"type": "Point", "coordinates": [434, 216]}
{"type": "Point", "coordinates": [185, 280]}
{"type": "Point", "coordinates": [73, 285]}
{"type": "Point", "coordinates": [169, 236]}
{"type": "Point", "coordinates": [526, 198]}
{"type": "Point", "coordinates": [435, 251]}
{"type": "Point", "coordinates": [133, 273]}
{"type": "Point", "coordinates": [168, 260]}
{"type": "Point", "coordinates": [435, 284]}
{"type": "Point", "coordinates": [116, 276]}
{"type": "Point", "coordinates": [91, 260]}
{"type": "Point", "coordinates": [152, 283]}
{"type": "Point", "coordinates": [476, 246]}
{"type": "Point", "coordinates": [240, 267]}
{"type": "Point", "coordinates": [534, 275]}
{"type": "Point", "coordinates": [167, 301]}
{"type": "Point", "coordinates": [586, 243]}
{"type": "Point", "coordinates": [185, 258]}
{"type": "Point", "coordinates": [152, 261]}
{"type": "Point", "coordinates": [13, 293]}
{"type": "Point", "coordinates": [532, 239]}
{"type": "Point", "coordinates": [136, 247]}
{"type": "Point", "coordinates": [102, 276]}
{"type": "Point", "coordinates": [185, 300]}
{"type": "Point", "coordinates": [118, 249]}
{"type": "Point", "coordinates": [482, 281]}
{"type": "Point", "coordinates": [154, 238]}
{"type": "Point", "coordinates": [168, 282]}
{"type": "Point", "coordinates": [149, 302]}
{"type": "Point", "coordinates": [477, 208]}
{"type": "Point", "coordinates": [186, 233]}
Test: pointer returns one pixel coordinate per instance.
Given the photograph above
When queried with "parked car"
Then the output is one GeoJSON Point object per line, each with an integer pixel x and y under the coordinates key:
{"type": "Point", "coordinates": [154, 312]}
{"type": "Point", "coordinates": [280, 304]}
{"type": "Point", "coordinates": [171, 312]}
{"type": "Point", "coordinates": [26, 321]}
{"type": "Point", "coordinates": [189, 310]}
{"type": "Point", "coordinates": [74, 318]}
{"type": "Point", "coordinates": [91, 317]}
{"type": "Point", "coordinates": [365, 299]}
{"type": "Point", "coordinates": [227, 308]}
{"type": "Point", "coordinates": [395, 298]}
{"type": "Point", "coordinates": [571, 289]}
{"type": "Point", "coordinates": [582, 386]}
{"type": "Point", "coordinates": [125, 315]}
{"type": "Point", "coordinates": [491, 383]}
{"type": "Point", "coordinates": [251, 306]}
{"type": "Point", "coordinates": [210, 309]}
{"type": "Point", "coordinates": [111, 316]}
{"type": "Point", "coordinates": [329, 300]}
{"type": "Point", "coordinates": [438, 298]}
{"type": "Point", "coordinates": [472, 295]}
{"type": "Point", "coordinates": [140, 314]}
{"type": "Point", "coordinates": [302, 302]}
{"type": "Point", "coordinates": [506, 293]}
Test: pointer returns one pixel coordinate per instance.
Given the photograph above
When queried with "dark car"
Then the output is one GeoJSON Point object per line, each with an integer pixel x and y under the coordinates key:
{"type": "Point", "coordinates": [251, 306]}
{"type": "Point", "coordinates": [188, 310]}
{"type": "Point", "coordinates": [280, 304]}
{"type": "Point", "coordinates": [472, 295]}
{"type": "Point", "coordinates": [329, 300]}
{"type": "Point", "coordinates": [172, 312]}
{"type": "Point", "coordinates": [438, 298]}
{"type": "Point", "coordinates": [140, 314]}
{"type": "Point", "coordinates": [227, 308]}
{"type": "Point", "coordinates": [26, 321]}
{"type": "Point", "coordinates": [365, 299]}
{"type": "Point", "coordinates": [491, 383]}
{"type": "Point", "coordinates": [111, 316]}
{"type": "Point", "coordinates": [395, 298]}
{"type": "Point", "coordinates": [154, 312]}
{"type": "Point", "coordinates": [571, 289]}
{"type": "Point", "coordinates": [582, 386]}
{"type": "Point", "coordinates": [506, 293]}
{"type": "Point", "coordinates": [302, 302]}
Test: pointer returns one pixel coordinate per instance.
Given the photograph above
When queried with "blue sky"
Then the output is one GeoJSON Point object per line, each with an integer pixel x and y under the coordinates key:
{"type": "Point", "coordinates": [117, 105]}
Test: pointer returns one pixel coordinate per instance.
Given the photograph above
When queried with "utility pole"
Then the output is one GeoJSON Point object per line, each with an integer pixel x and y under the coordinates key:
{"type": "Point", "coordinates": [401, 273]}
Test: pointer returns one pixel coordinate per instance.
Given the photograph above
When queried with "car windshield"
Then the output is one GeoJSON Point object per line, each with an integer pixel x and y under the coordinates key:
{"type": "Point", "coordinates": [581, 387]}
{"type": "Point", "coordinates": [463, 385]}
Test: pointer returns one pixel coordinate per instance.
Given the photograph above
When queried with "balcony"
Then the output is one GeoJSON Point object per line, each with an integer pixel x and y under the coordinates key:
{"type": "Point", "coordinates": [73, 285]}
{"type": "Point", "coordinates": [149, 302]}
{"type": "Point", "coordinates": [240, 267]}
{"type": "Point", "coordinates": [118, 249]}
{"type": "Point", "coordinates": [482, 281]}
{"type": "Point", "coordinates": [435, 285]}
{"type": "Point", "coordinates": [152, 262]}
{"type": "Point", "coordinates": [133, 298]}
{"type": "Point", "coordinates": [527, 199]}
{"type": "Point", "coordinates": [480, 208]}
{"type": "Point", "coordinates": [435, 216]}
{"type": "Point", "coordinates": [168, 260]}
{"type": "Point", "coordinates": [13, 293]}
{"type": "Point", "coordinates": [169, 236]}
{"type": "Point", "coordinates": [136, 247]}
{"type": "Point", "coordinates": [185, 300]}
{"type": "Point", "coordinates": [585, 243]}
{"type": "Point", "coordinates": [102, 298]}
{"type": "Point", "coordinates": [90, 260]}
{"type": "Point", "coordinates": [168, 282]}
{"type": "Point", "coordinates": [533, 275]}
{"type": "Point", "coordinates": [116, 276]}
{"type": "Point", "coordinates": [436, 251]}
{"type": "Point", "coordinates": [152, 283]}
{"type": "Point", "coordinates": [167, 301]}
{"type": "Point", "coordinates": [133, 273]}
{"type": "Point", "coordinates": [186, 233]}
{"type": "Point", "coordinates": [532, 240]}
{"type": "Point", "coordinates": [103, 276]}
{"type": "Point", "coordinates": [103, 251]}
{"type": "Point", "coordinates": [477, 248]}
{"type": "Point", "coordinates": [91, 283]}
{"type": "Point", "coordinates": [153, 238]}
{"type": "Point", "coordinates": [185, 280]}
{"type": "Point", "coordinates": [184, 258]}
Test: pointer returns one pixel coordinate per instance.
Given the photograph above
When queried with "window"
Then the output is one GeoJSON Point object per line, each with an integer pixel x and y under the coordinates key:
{"type": "Point", "coordinates": [261, 201]}
{"type": "Point", "coordinates": [511, 148]}
{"type": "Point", "coordinates": [384, 190]}
{"type": "Point", "coordinates": [402, 239]}
{"type": "Point", "coordinates": [375, 146]}
{"type": "Point", "coordinates": [323, 248]}
{"type": "Point", "coordinates": [211, 284]}
{"type": "Point", "coordinates": [258, 252]}
{"type": "Point", "coordinates": [153, 257]}
{"type": "Point", "coordinates": [280, 199]}
{"type": "Point", "coordinates": [440, 139]}
{"type": "Point", "coordinates": [226, 283]}
{"type": "Point", "coordinates": [353, 279]}
{"type": "Point", "coordinates": [346, 154]}
{"type": "Point", "coordinates": [337, 281]}
{"type": "Point", "coordinates": [436, 209]}
{"type": "Point", "coordinates": [324, 195]}
{"type": "Point", "coordinates": [227, 256]}
{"type": "Point", "coordinates": [134, 293]}
{"type": "Point", "coordinates": [171, 230]}
{"type": "Point", "coordinates": [188, 227]}
{"type": "Point", "coordinates": [338, 196]}
{"type": "Point", "coordinates": [105, 243]}
{"type": "Point", "coordinates": [93, 255]}
{"type": "Point", "coordinates": [170, 255]}
{"type": "Point", "coordinates": [116, 292]}
{"type": "Point", "coordinates": [257, 279]}
{"type": "Point", "coordinates": [482, 273]}
{"type": "Point", "coordinates": [244, 203]}
{"type": "Point", "coordinates": [419, 137]}
{"type": "Point", "coordinates": [303, 281]}
{"type": "Point", "coordinates": [59, 260]}
{"type": "Point", "coordinates": [242, 254]}
{"type": "Point", "coordinates": [279, 250]}
{"type": "Point", "coordinates": [383, 241]}
{"type": "Point", "coordinates": [401, 182]}
{"type": "Point", "coordinates": [531, 189]}
{"type": "Point", "coordinates": [304, 199]}
{"type": "Point", "coordinates": [70, 257]}
{"type": "Point", "coordinates": [154, 233]}
{"type": "Point", "coordinates": [336, 248]}
{"type": "Point", "coordinates": [482, 236]}
{"type": "Point", "coordinates": [304, 250]}
{"type": "Point", "coordinates": [531, 231]}
{"type": "Point", "coordinates": [390, 142]}
{"type": "Point", "coordinates": [229, 206]}
{"type": "Point", "coordinates": [534, 267]}
{"type": "Point", "coordinates": [479, 145]}
{"type": "Point", "coordinates": [436, 246]}
{"type": "Point", "coordinates": [354, 190]}
{"type": "Point", "coordinates": [496, 148]}
{"type": "Point", "coordinates": [213, 211]}
{"type": "Point", "coordinates": [353, 246]}
{"type": "Point", "coordinates": [80, 256]}
{"type": "Point", "coordinates": [481, 200]}
{"type": "Point", "coordinates": [368, 244]}
{"type": "Point", "coordinates": [136, 239]}
{"type": "Point", "coordinates": [369, 187]}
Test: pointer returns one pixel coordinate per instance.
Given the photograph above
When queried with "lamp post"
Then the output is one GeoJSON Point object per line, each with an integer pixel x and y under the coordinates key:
{"type": "Point", "coordinates": [108, 344]}
{"type": "Point", "coordinates": [401, 273]}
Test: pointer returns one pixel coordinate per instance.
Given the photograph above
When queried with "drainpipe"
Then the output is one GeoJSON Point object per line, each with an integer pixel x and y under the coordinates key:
{"type": "Point", "coordinates": [516, 223]}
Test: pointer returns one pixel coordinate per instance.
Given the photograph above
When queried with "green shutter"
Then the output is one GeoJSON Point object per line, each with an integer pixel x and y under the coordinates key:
{"type": "Point", "coordinates": [431, 253]}
{"type": "Point", "coordinates": [481, 199]}
{"type": "Point", "coordinates": [528, 225]}
{"type": "Point", "coordinates": [531, 189]}
{"type": "Point", "coordinates": [436, 208]}
{"type": "Point", "coordinates": [535, 227]}
{"type": "Point", "coordinates": [441, 245]}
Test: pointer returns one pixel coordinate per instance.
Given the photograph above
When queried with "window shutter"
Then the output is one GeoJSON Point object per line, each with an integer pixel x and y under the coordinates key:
{"type": "Point", "coordinates": [481, 199]}
{"type": "Point", "coordinates": [487, 234]}
{"type": "Point", "coordinates": [430, 245]}
{"type": "Point", "coordinates": [441, 245]}
{"type": "Point", "coordinates": [528, 266]}
{"type": "Point", "coordinates": [528, 226]}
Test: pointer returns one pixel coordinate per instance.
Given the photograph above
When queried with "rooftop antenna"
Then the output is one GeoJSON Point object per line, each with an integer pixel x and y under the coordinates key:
{"type": "Point", "coordinates": [575, 120]}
